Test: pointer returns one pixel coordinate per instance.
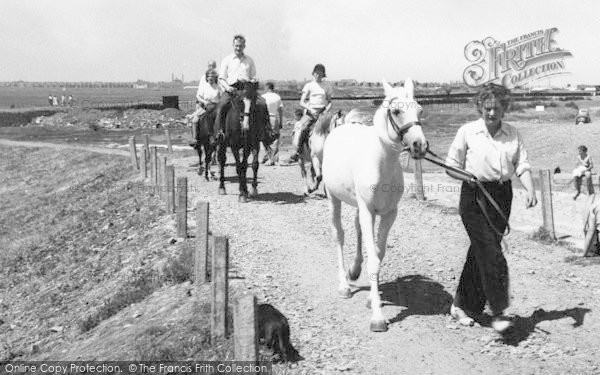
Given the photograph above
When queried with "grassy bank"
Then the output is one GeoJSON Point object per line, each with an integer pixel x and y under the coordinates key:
{"type": "Point", "coordinates": [84, 249]}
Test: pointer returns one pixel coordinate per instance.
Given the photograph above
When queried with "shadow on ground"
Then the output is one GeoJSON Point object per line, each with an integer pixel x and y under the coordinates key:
{"type": "Point", "coordinates": [420, 294]}
{"type": "Point", "coordinates": [280, 198]}
{"type": "Point", "coordinates": [524, 326]}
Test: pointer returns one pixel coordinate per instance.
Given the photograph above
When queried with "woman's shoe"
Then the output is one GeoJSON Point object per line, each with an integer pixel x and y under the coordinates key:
{"type": "Point", "coordinates": [459, 314]}
{"type": "Point", "coordinates": [501, 323]}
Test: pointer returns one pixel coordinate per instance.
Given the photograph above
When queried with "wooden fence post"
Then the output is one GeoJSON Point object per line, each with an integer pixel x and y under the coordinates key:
{"type": "Point", "coordinates": [182, 207]}
{"type": "Point", "coordinates": [168, 136]}
{"type": "Point", "coordinates": [547, 210]}
{"type": "Point", "coordinates": [245, 329]}
{"type": "Point", "coordinates": [419, 180]}
{"type": "Point", "coordinates": [153, 177]}
{"type": "Point", "coordinates": [133, 152]}
{"type": "Point", "coordinates": [143, 158]}
{"type": "Point", "coordinates": [588, 184]}
{"type": "Point", "coordinates": [146, 145]}
{"type": "Point", "coordinates": [219, 286]}
{"type": "Point", "coordinates": [404, 160]}
{"type": "Point", "coordinates": [201, 261]}
{"type": "Point", "coordinates": [162, 189]}
{"type": "Point", "coordinates": [170, 172]}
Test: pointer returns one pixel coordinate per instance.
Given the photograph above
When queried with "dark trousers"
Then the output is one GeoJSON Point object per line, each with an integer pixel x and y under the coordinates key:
{"type": "Point", "coordinates": [485, 273]}
{"type": "Point", "coordinates": [221, 111]}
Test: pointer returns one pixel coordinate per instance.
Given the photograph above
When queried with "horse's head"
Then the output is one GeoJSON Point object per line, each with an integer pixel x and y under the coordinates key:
{"type": "Point", "coordinates": [248, 89]}
{"type": "Point", "coordinates": [402, 115]}
{"type": "Point", "coordinates": [337, 120]}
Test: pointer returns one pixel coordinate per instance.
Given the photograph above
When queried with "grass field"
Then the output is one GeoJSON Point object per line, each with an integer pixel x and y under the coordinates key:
{"type": "Point", "coordinates": [87, 97]}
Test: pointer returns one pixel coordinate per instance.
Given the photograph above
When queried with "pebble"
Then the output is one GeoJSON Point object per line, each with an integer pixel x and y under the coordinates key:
{"type": "Point", "coordinates": [56, 329]}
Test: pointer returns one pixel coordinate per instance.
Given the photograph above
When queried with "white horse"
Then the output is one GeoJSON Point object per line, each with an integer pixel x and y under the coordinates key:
{"type": "Point", "coordinates": [361, 167]}
{"type": "Point", "coordinates": [313, 149]}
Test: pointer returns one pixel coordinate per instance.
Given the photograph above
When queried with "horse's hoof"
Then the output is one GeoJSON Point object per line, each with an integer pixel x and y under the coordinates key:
{"type": "Point", "coordinates": [254, 192]}
{"type": "Point", "coordinates": [353, 276]}
{"type": "Point", "coordinates": [242, 198]}
{"type": "Point", "coordinates": [345, 292]}
{"type": "Point", "coordinates": [206, 178]}
{"type": "Point", "coordinates": [378, 326]}
{"type": "Point", "coordinates": [222, 191]}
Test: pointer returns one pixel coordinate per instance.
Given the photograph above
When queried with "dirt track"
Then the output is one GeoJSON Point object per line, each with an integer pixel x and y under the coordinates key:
{"type": "Point", "coordinates": [281, 249]}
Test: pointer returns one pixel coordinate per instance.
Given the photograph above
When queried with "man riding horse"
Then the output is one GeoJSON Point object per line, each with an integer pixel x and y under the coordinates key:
{"type": "Point", "coordinates": [242, 118]}
{"type": "Point", "coordinates": [236, 69]}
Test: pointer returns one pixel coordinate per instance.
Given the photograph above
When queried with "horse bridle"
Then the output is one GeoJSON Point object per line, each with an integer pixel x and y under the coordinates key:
{"type": "Point", "coordinates": [400, 130]}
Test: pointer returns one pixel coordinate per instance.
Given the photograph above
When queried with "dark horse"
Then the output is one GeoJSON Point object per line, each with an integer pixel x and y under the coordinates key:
{"type": "Point", "coordinates": [205, 140]}
{"type": "Point", "coordinates": [243, 142]}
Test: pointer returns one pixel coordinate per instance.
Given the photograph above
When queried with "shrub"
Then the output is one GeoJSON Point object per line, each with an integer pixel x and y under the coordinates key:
{"type": "Point", "coordinates": [573, 105]}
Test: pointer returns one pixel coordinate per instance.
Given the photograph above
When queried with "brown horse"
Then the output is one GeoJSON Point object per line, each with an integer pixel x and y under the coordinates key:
{"type": "Point", "coordinates": [243, 142]}
{"type": "Point", "coordinates": [205, 140]}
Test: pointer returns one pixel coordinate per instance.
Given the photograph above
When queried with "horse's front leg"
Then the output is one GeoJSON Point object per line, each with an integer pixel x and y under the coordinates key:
{"type": "Point", "coordinates": [241, 163]}
{"type": "Point", "coordinates": [367, 221]}
{"type": "Point", "coordinates": [207, 160]}
{"type": "Point", "coordinates": [222, 156]}
{"type": "Point", "coordinates": [335, 209]}
{"type": "Point", "coordinates": [316, 169]}
{"type": "Point", "coordinates": [198, 148]}
{"type": "Point", "coordinates": [255, 165]}
{"type": "Point", "coordinates": [303, 173]}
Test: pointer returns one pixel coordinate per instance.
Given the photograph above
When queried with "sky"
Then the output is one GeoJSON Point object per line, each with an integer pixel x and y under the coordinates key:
{"type": "Point", "coordinates": [124, 40]}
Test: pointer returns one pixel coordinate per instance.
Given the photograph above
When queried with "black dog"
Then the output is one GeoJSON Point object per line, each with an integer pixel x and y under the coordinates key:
{"type": "Point", "coordinates": [274, 329]}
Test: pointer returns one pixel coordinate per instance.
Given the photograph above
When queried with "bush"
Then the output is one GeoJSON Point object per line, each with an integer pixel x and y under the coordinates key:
{"type": "Point", "coordinates": [573, 105]}
{"type": "Point", "coordinates": [516, 107]}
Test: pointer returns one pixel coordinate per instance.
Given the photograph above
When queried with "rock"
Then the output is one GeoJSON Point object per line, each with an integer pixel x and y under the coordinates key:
{"type": "Point", "coordinates": [136, 314]}
{"type": "Point", "coordinates": [35, 349]}
{"type": "Point", "coordinates": [451, 326]}
{"type": "Point", "coordinates": [172, 240]}
{"type": "Point", "coordinates": [56, 329]}
{"type": "Point", "coordinates": [486, 338]}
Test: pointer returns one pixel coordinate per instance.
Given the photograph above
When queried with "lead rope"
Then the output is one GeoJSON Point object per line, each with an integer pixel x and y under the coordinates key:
{"type": "Point", "coordinates": [468, 177]}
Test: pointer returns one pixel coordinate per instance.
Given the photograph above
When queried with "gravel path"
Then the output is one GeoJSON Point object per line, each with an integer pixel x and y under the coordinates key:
{"type": "Point", "coordinates": [282, 250]}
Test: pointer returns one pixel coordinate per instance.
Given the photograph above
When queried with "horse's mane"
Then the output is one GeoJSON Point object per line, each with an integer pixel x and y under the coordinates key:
{"type": "Point", "coordinates": [360, 115]}
{"type": "Point", "coordinates": [323, 124]}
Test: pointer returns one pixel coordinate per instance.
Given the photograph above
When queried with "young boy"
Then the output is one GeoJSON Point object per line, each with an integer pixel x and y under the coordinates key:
{"type": "Point", "coordinates": [298, 113]}
{"type": "Point", "coordinates": [584, 168]}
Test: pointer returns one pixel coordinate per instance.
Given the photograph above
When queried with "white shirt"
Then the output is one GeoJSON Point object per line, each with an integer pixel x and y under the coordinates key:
{"type": "Point", "coordinates": [234, 69]}
{"type": "Point", "coordinates": [273, 103]}
{"type": "Point", "coordinates": [318, 94]}
{"type": "Point", "coordinates": [210, 93]}
{"type": "Point", "coordinates": [489, 158]}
